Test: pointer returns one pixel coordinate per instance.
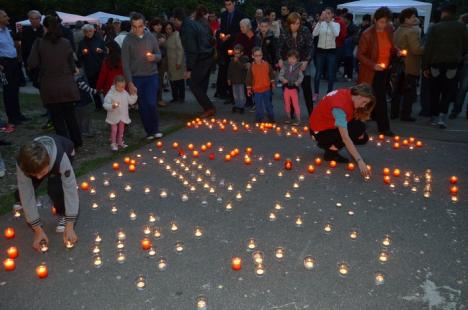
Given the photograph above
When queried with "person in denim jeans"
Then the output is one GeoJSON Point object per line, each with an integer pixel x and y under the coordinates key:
{"type": "Point", "coordinates": [260, 81]}
{"type": "Point", "coordinates": [327, 30]}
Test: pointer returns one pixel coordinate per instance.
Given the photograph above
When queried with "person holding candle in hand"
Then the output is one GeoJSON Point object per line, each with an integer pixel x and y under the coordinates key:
{"type": "Point", "coordinates": [338, 120]}
{"type": "Point", "coordinates": [116, 103]}
{"type": "Point", "coordinates": [48, 157]}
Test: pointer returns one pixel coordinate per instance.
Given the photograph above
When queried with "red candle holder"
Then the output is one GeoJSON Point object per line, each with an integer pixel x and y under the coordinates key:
{"type": "Point", "coordinates": [115, 166]}
{"type": "Point", "coordinates": [236, 263]}
{"type": "Point", "coordinates": [396, 172]}
{"type": "Point", "coordinates": [386, 171]}
{"type": "Point", "coordinates": [146, 244]}
{"type": "Point", "coordinates": [12, 252]}
{"type": "Point", "coordinates": [159, 144]}
{"type": "Point", "coordinates": [42, 271]}
{"type": "Point", "coordinates": [9, 233]}
{"type": "Point", "coordinates": [454, 190]}
{"type": "Point", "coordinates": [175, 145]}
{"type": "Point", "coordinates": [9, 264]}
{"type": "Point", "coordinates": [318, 161]}
{"type": "Point", "coordinates": [332, 164]}
{"type": "Point", "coordinates": [350, 167]}
{"type": "Point", "coordinates": [311, 169]}
{"type": "Point", "coordinates": [453, 179]}
{"type": "Point", "coordinates": [131, 168]}
{"type": "Point", "coordinates": [288, 164]}
{"type": "Point", "coordinates": [84, 186]}
{"type": "Point", "coordinates": [277, 156]}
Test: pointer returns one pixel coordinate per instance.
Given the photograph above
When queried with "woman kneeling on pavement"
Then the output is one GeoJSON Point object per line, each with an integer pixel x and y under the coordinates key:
{"type": "Point", "coordinates": [338, 120]}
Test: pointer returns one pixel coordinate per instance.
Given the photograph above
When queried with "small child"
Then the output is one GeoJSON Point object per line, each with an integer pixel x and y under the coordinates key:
{"type": "Point", "coordinates": [291, 77]}
{"type": "Point", "coordinates": [116, 103]}
{"type": "Point", "coordinates": [48, 157]}
{"type": "Point", "coordinates": [86, 96]}
{"type": "Point", "coordinates": [260, 81]}
{"type": "Point", "coordinates": [236, 77]}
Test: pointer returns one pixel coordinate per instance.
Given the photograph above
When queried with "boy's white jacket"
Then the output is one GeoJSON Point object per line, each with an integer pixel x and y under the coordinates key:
{"type": "Point", "coordinates": [119, 114]}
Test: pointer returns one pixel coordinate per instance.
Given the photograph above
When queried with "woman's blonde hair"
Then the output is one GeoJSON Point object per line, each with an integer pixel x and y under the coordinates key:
{"type": "Point", "coordinates": [363, 90]}
{"type": "Point", "coordinates": [292, 18]}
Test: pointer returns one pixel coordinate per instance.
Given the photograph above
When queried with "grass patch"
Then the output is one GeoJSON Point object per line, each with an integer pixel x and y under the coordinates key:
{"type": "Point", "coordinates": [7, 200]}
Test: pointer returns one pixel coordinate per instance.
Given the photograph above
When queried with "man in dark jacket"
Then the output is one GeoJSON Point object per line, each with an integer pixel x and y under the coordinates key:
{"type": "Point", "coordinates": [226, 36]}
{"type": "Point", "coordinates": [199, 57]}
{"type": "Point", "coordinates": [91, 52]}
{"type": "Point", "coordinates": [29, 34]}
{"type": "Point", "coordinates": [446, 45]}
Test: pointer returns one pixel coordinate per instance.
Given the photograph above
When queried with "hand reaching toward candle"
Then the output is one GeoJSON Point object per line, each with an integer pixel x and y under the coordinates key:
{"type": "Point", "coordinates": [39, 235]}
{"type": "Point", "coordinates": [365, 172]}
{"type": "Point", "coordinates": [69, 234]}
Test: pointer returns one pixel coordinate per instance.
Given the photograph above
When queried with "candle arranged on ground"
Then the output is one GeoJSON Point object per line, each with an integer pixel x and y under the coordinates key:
{"type": "Point", "coordinates": [41, 271]}
{"type": "Point", "coordinates": [236, 263]}
{"type": "Point", "coordinates": [384, 256]}
{"type": "Point", "coordinates": [85, 51]}
{"type": "Point", "coordinates": [9, 264]}
{"type": "Point", "coordinates": [309, 263]}
{"type": "Point", "coordinates": [310, 169]}
{"type": "Point", "coordinates": [201, 303]}
{"type": "Point", "coordinates": [277, 156]}
{"type": "Point", "coordinates": [353, 234]}
{"type": "Point", "coordinates": [379, 278]}
{"type": "Point", "coordinates": [12, 252]}
{"type": "Point", "coordinates": [115, 166]}
{"type": "Point", "coordinates": [162, 264]}
{"type": "Point", "coordinates": [84, 186]}
{"type": "Point", "coordinates": [259, 270]}
{"type": "Point", "coordinates": [288, 164]}
{"type": "Point", "coordinates": [350, 167]}
{"type": "Point", "coordinates": [279, 253]}
{"type": "Point", "coordinates": [146, 243]}
{"type": "Point", "coordinates": [69, 245]}
{"type": "Point", "coordinates": [318, 161]}
{"type": "Point", "coordinates": [453, 179]}
{"type": "Point", "coordinates": [140, 282]}
{"type": "Point", "coordinates": [343, 269]}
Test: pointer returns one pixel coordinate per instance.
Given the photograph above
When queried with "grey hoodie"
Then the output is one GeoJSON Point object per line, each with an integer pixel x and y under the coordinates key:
{"type": "Point", "coordinates": [292, 73]}
{"type": "Point", "coordinates": [60, 166]}
{"type": "Point", "coordinates": [134, 50]}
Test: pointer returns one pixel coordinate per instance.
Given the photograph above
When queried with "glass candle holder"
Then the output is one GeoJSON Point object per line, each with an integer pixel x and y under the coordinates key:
{"type": "Point", "coordinates": [179, 247]}
{"type": "Point", "coordinates": [97, 239]}
{"type": "Point", "coordinates": [95, 249]}
{"type": "Point", "coordinates": [328, 228]}
{"type": "Point", "coordinates": [157, 233]}
{"type": "Point", "coordinates": [42, 271]}
{"type": "Point", "coordinates": [121, 234]}
{"type": "Point", "coordinates": [287, 195]}
{"type": "Point", "coordinates": [120, 245]}
{"type": "Point", "coordinates": [278, 205]}
{"type": "Point", "coordinates": [259, 270]}
{"type": "Point", "coordinates": [228, 207]}
{"type": "Point", "coordinates": [386, 241]}
{"type": "Point", "coordinates": [146, 230]}
{"type": "Point", "coordinates": [343, 269]}
{"type": "Point", "coordinates": [353, 234]}
{"type": "Point", "coordinates": [120, 257]}
{"type": "Point", "coordinates": [112, 196]}
{"type": "Point", "coordinates": [201, 303]}
{"type": "Point", "coordinates": [239, 196]}
{"type": "Point", "coordinates": [248, 187]}
{"type": "Point", "coordinates": [106, 182]}
{"type": "Point", "coordinates": [152, 218]}
{"type": "Point", "coordinates": [174, 226]}
{"type": "Point", "coordinates": [198, 232]}
{"type": "Point", "coordinates": [162, 264]}
{"type": "Point", "coordinates": [296, 185]}
{"type": "Point", "coordinates": [97, 261]}
{"type": "Point", "coordinates": [258, 257]}
{"type": "Point", "coordinates": [151, 252]}
{"type": "Point", "coordinates": [384, 257]}
{"type": "Point", "coordinates": [163, 193]}
{"type": "Point", "coordinates": [94, 206]}
{"type": "Point", "coordinates": [251, 244]}
{"type": "Point", "coordinates": [309, 263]}
{"type": "Point", "coordinates": [140, 283]}
{"type": "Point", "coordinates": [230, 187]}
{"type": "Point", "coordinates": [379, 278]}
{"type": "Point", "coordinates": [132, 215]}
{"type": "Point", "coordinates": [147, 190]}
{"type": "Point", "coordinates": [279, 253]}
{"type": "Point", "coordinates": [114, 210]}
{"type": "Point", "coordinates": [184, 197]}
{"type": "Point", "coordinates": [299, 221]}
{"type": "Point", "coordinates": [272, 216]}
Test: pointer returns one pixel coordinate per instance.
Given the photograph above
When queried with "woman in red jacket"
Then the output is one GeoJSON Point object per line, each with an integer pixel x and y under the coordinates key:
{"type": "Point", "coordinates": [338, 120]}
{"type": "Point", "coordinates": [111, 67]}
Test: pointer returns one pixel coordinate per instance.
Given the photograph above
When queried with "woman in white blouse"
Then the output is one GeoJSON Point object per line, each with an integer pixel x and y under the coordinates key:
{"type": "Point", "coordinates": [327, 31]}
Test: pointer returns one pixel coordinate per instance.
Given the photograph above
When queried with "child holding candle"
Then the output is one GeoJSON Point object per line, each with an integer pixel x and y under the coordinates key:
{"type": "Point", "coordinates": [236, 77]}
{"type": "Point", "coordinates": [116, 103]}
{"type": "Point", "coordinates": [291, 77]}
{"type": "Point", "coordinates": [48, 157]}
{"type": "Point", "coordinates": [260, 81]}
{"type": "Point", "coordinates": [338, 120]}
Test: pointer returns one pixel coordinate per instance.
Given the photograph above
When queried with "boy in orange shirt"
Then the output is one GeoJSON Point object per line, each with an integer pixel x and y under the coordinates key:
{"type": "Point", "coordinates": [260, 81]}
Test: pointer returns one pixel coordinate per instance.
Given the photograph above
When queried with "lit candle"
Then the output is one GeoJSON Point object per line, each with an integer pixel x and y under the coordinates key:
{"type": "Point", "coordinates": [277, 156]}
{"type": "Point", "coordinates": [272, 216]}
{"type": "Point", "coordinates": [396, 172]}
{"type": "Point", "coordinates": [114, 210]}
{"type": "Point", "coordinates": [287, 195]}
{"type": "Point", "coordinates": [454, 190]}
{"type": "Point", "coordinates": [332, 164]}
{"type": "Point", "coordinates": [41, 271]}
{"type": "Point", "coordinates": [228, 207]}
{"type": "Point", "coordinates": [311, 169]}
{"type": "Point", "coordinates": [198, 232]}
{"type": "Point", "coordinates": [453, 179]}
{"type": "Point", "coordinates": [259, 270]}
{"type": "Point", "coordinates": [288, 164]}
{"type": "Point", "coordinates": [43, 246]}
{"type": "Point", "coordinates": [157, 233]}
{"type": "Point", "coordinates": [131, 168]}
{"type": "Point", "coordinates": [95, 249]}
{"type": "Point", "coordinates": [140, 283]}
{"type": "Point", "coordinates": [309, 262]}
{"type": "Point", "coordinates": [179, 247]}
{"type": "Point", "coordinates": [201, 303]}
{"type": "Point", "coordinates": [115, 166]}
{"type": "Point", "coordinates": [350, 167]}
{"type": "Point", "coordinates": [257, 257]}
{"type": "Point", "coordinates": [299, 222]}
{"type": "Point", "coordinates": [17, 214]}
{"type": "Point", "coordinates": [151, 252]}
{"type": "Point", "coordinates": [146, 230]}
{"type": "Point", "coordinates": [84, 186]}
{"type": "Point", "coordinates": [296, 185]}
{"type": "Point", "coordinates": [127, 160]}
{"type": "Point", "coordinates": [386, 241]}
{"type": "Point", "coordinates": [379, 278]}
{"type": "Point", "coordinates": [419, 143]}
{"type": "Point", "coordinates": [353, 234]}
{"type": "Point", "coordinates": [12, 252]}
{"type": "Point", "coordinates": [236, 263]}
{"type": "Point", "coordinates": [404, 53]}
{"type": "Point", "coordinates": [162, 264]}
{"type": "Point", "coordinates": [120, 257]}
{"type": "Point", "coordinates": [69, 245]}
{"type": "Point", "coordinates": [97, 262]}
{"type": "Point", "coordinates": [230, 52]}
{"type": "Point", "coordinates": [384, 256]}
{"type": "Point", "coordinates": [318, 161]}
{"type": "Point", "coordinates": [163, 193]}
{"type": "Point", "coordinates": [279, 253]}
{"type": "Point", "coordinates": [251, 244]}
{"type": "Point", "coordinates": [239, 196]}
{"type": "Point", "coordinates": [343, 269]}
{"type": "Point", "coordinates": [120, 245]}
{"type": "Point", "coordinates": [132, 215]}
{"type": "Point", "coordinates": [85, 51]}
{"type": "Point", "coordinates": [112, 195]}
{"type": "Point", "coordinates": [9, 264]}
{"type": "Point", "coordinates": [174, 226]}
{"type": "Point", "coordinates": [327, 228]}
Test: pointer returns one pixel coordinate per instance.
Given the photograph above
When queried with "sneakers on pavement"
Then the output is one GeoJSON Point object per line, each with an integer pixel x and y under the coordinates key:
{"type": "Point", "coordinates": [158, 135]}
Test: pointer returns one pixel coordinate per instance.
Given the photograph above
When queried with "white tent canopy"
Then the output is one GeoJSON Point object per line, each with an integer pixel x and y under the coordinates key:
{"type": "Point", "coordinates": [362, 7]}
{"type": "Point", "coordinates": [67, 19]}
{"type": "Point", "coordinates": [103, 17]}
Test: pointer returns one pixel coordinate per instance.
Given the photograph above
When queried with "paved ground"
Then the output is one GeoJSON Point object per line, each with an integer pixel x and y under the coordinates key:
{"type": "Point", "coordinates": [428, 250]}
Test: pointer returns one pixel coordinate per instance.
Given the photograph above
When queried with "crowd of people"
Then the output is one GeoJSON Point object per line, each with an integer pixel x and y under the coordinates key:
{"type": "Point", "coordinates": [130, 63]}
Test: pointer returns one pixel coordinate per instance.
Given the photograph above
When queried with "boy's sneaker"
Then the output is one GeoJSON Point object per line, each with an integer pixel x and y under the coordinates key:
{"type": "Point", "coordinates": [442, 121]}
{"type": "Point", "coordinates": [114, 147]}
{"type": "Point", "coordinates": [60, 224]}
{"type": "Point", "coordinates": [150, 137]}
{"type": "Point", "coordinates": [158, 135]}
{"type": "Point", "coordinates": [434, 120]}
